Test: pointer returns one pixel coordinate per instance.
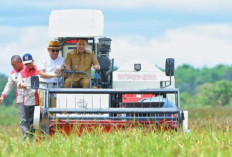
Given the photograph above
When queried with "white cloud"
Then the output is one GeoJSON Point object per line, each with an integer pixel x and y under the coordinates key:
{"type": "Point", "coordinates": [168, 4]}
{"type": "Point", "coordinates": [19, 41]}
{"type": "Point", "coordinates": [206, 45]}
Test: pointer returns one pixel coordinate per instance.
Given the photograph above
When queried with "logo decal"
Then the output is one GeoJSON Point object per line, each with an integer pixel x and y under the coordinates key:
{"type": "Point", "coordinates": [82, 103]}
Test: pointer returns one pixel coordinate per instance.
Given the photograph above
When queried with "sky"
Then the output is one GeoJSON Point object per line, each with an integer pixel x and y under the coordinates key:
{"type": "Point", "coordinates": [193, 32]}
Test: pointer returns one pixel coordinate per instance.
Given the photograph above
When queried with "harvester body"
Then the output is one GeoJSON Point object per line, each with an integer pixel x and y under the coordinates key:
{"type": "Point", "coordinates": [137, 94]}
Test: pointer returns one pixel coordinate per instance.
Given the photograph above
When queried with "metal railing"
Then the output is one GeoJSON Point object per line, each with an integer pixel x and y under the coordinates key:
{"type": "Point", "coordinates": [115, 108]}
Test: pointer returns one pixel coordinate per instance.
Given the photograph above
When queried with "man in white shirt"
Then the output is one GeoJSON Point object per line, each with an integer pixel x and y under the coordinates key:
{"type": "Point", "coordinates": [17, 64]}
{"type": "Point", "coordinates": [49, 67]}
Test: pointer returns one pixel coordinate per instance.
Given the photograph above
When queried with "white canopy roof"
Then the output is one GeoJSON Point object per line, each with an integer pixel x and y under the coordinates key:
{"type": "Point", "coordinates": [76, 23]}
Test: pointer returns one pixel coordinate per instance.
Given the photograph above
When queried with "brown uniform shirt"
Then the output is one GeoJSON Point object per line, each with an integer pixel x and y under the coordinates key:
{"type": "Point", "coordinates": [81, 62]}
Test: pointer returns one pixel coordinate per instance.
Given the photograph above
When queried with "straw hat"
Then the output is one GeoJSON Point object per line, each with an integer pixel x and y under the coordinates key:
{"type": "Point", "coordinates": [54, 45]}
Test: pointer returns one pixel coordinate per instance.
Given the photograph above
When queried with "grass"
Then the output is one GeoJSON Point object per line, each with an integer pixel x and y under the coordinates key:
{"type": "Point", "coordinates": [210, 136]}
{"type": "Point", "coordinates": [8, 115]}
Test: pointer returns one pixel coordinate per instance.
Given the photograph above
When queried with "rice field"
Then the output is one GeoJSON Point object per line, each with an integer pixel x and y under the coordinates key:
{"type": "Point", "coordinates": [211, 135]}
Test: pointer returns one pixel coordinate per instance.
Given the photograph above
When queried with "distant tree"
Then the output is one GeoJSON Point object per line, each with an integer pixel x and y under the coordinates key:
{"type": "Point", "coordinates": [228, 74]}
{"type": "Point", "coordinates": [188, 100]}
{"type": "Point", "coordinates": [215, 94]}
{"type": "Point", "coordinates": [10, 99]}
{"type": "Point", "coordinates": [189, 78]}
{"type": "Point", "coordinates": [186, 78]}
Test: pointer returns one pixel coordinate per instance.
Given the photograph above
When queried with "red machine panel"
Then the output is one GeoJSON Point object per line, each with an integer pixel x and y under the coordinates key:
{"type": "Point", "coordinates": [126, 98]}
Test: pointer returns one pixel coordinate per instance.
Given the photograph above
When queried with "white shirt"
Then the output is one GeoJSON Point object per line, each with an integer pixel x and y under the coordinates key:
{"type": "Point", "coordinates": [50, 66]}
{"type": "Point", "coordinates": [13, 79]}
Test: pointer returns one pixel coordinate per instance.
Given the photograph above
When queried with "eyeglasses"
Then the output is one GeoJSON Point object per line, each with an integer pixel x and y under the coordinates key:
{"type": "Point", "coordinates": [55, 51]}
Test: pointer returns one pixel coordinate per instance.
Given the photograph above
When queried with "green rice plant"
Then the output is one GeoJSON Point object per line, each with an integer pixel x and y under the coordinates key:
{"type": "Point", "coordinates": [210, 136]}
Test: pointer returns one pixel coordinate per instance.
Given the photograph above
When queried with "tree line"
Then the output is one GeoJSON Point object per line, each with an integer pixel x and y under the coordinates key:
{"type": "Point", "coordinates": [204, 86]}
{"type": "Point", "coordinates": [10, 99]}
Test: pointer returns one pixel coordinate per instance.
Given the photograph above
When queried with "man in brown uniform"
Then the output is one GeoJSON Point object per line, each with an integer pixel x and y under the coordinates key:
{"type": "Point", "coordinates": [80, 59]}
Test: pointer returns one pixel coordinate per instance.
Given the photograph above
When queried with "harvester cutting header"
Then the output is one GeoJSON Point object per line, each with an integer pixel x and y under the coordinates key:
{"type": "Point", "coordinates": [136, 93]}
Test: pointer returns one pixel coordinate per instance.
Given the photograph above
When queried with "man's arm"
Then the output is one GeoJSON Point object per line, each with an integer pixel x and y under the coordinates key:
{"type": "Point", "coordinates": [42, 66]}
{"type": "Point", "coordinates": [42, 74]}
{"type": "Point", "coordinates": [68, 62]}
{"type": "Point", "coordinates": [95, 62]}
{"type": "Point", "coordinates": [8, 87]}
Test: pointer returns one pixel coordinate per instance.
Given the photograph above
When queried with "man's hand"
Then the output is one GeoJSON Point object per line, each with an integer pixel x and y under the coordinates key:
{"type": "Point", "coordinates": [1, 100]}
{"type": "Point", "coordinates": [67, 67]}
{"type": "Point", "coordinates": [22, 85]}
{"type": "Point", "coordinates": [62, 67]}
{"type": "Point", "coordinates": [58, 73]}
{"type": "Point", "coordinates": [96, 67]}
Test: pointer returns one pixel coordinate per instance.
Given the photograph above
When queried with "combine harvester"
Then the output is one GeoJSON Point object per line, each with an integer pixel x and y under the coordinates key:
{"type": "Point", "coordinates": [137, 94]}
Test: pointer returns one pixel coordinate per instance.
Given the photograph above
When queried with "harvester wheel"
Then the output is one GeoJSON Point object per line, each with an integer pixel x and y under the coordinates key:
{"type": "Point", "coordinates": [36, 119]}
{"type": "Point", "coordinates": [185, 121]}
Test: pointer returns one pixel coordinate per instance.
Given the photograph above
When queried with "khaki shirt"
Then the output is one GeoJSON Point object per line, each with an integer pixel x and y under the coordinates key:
{"type": "Point", "coordinates": [81, 62]}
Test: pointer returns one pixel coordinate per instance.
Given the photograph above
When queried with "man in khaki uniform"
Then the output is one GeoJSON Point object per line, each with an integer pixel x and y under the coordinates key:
{"type": "Point", "coordinates": [80, 59]}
